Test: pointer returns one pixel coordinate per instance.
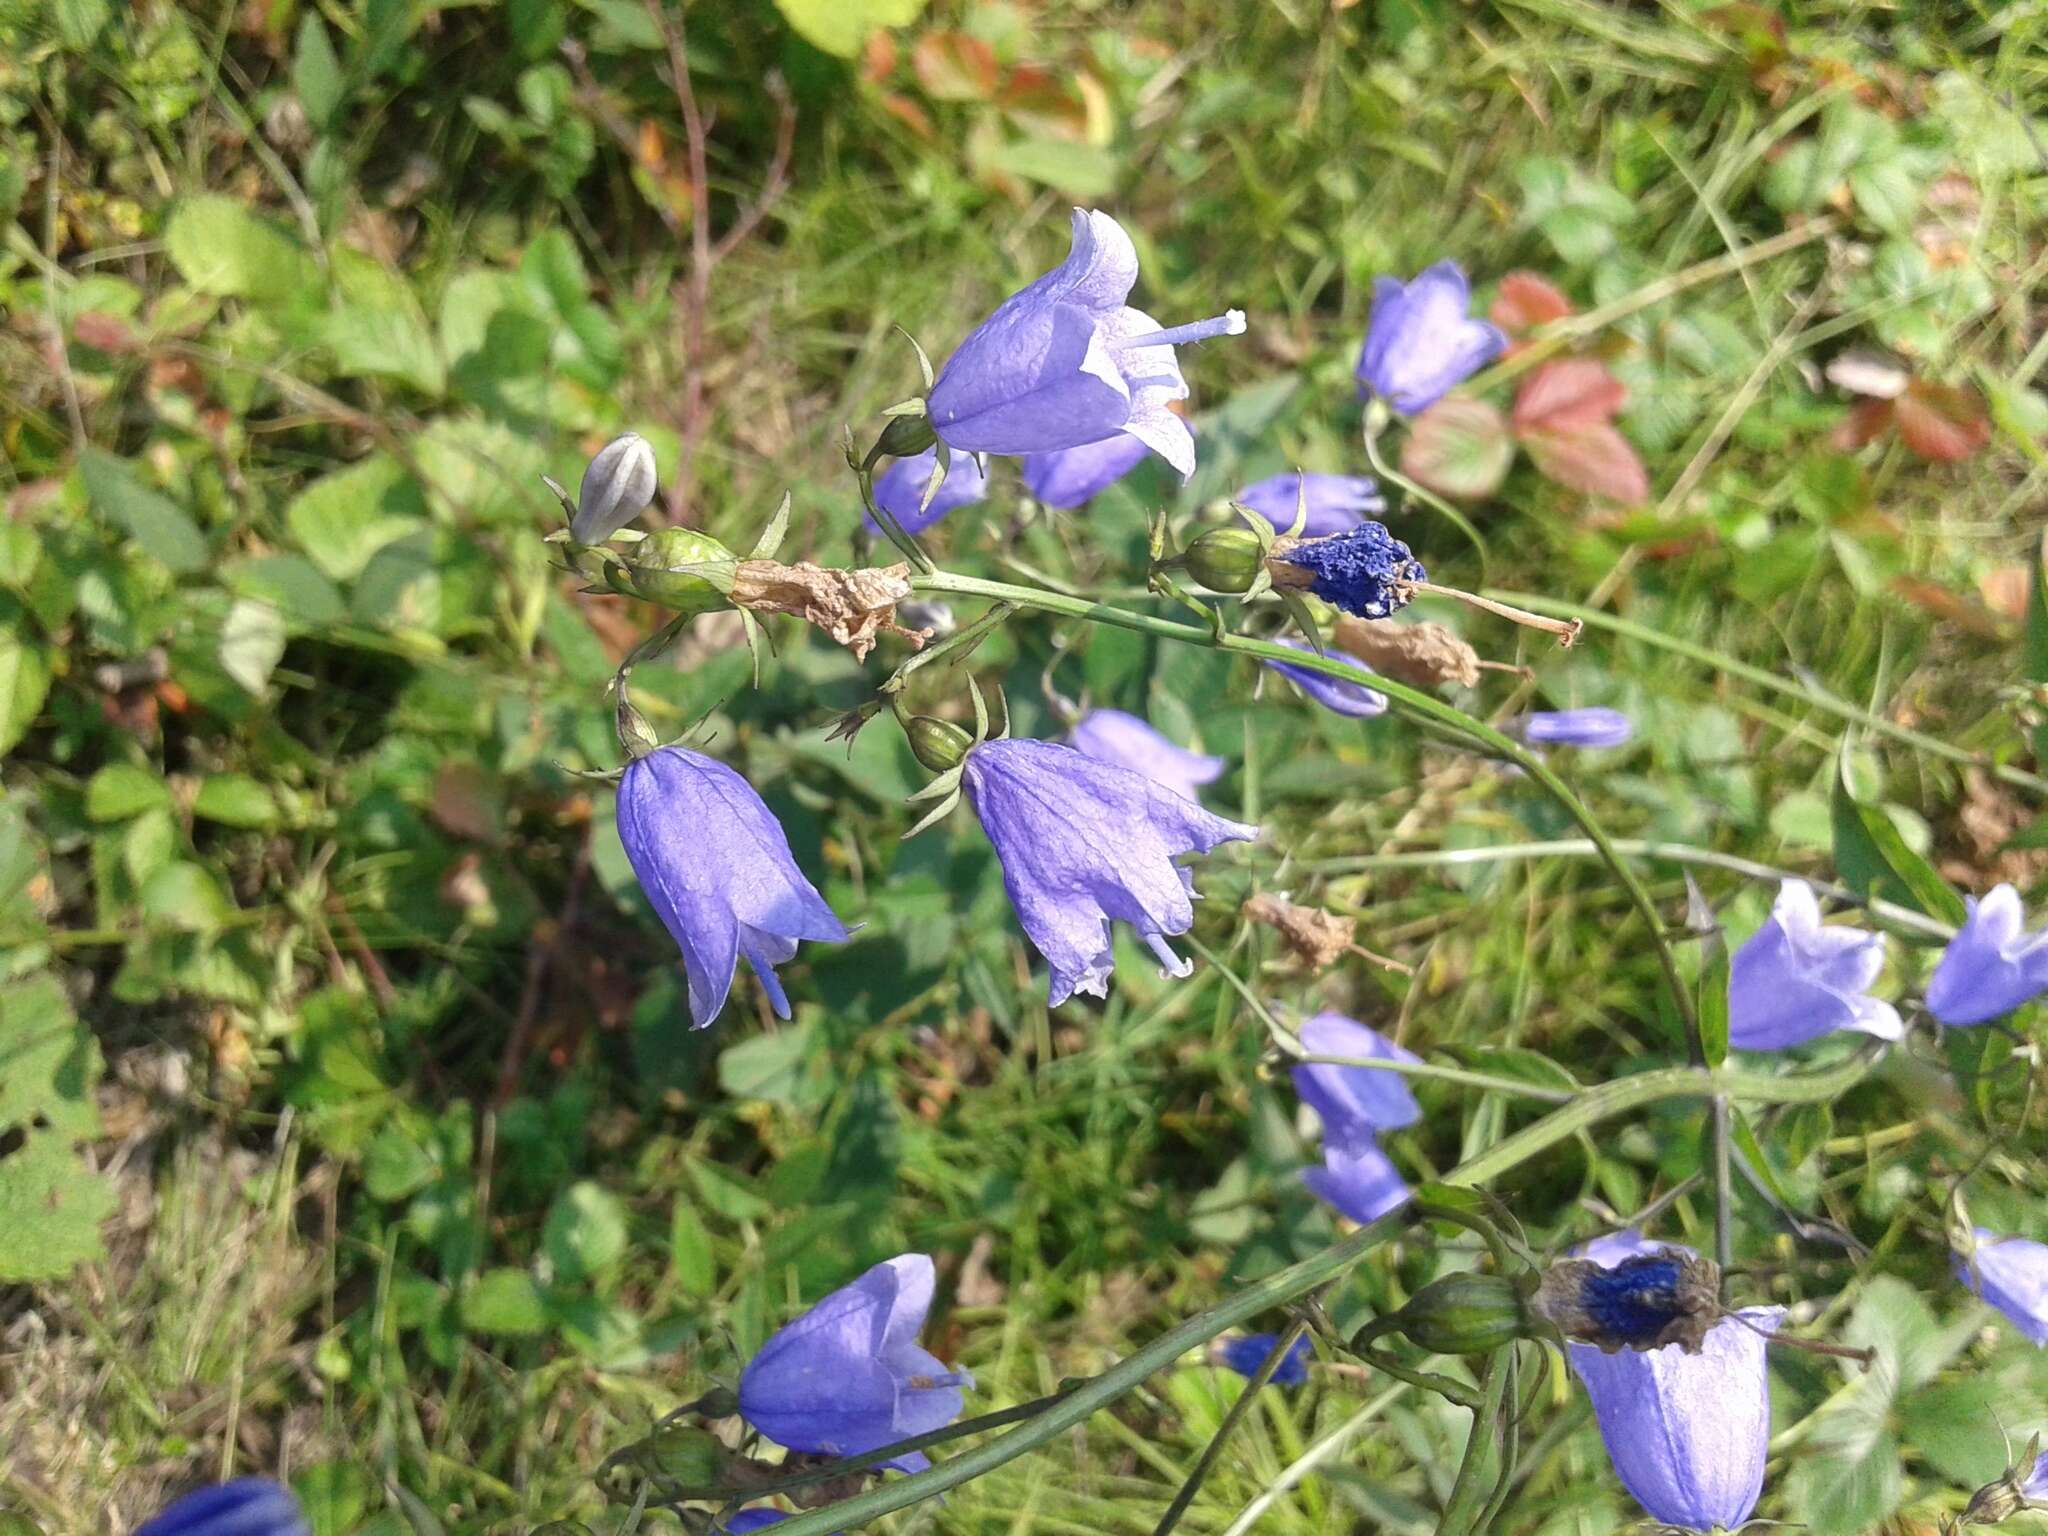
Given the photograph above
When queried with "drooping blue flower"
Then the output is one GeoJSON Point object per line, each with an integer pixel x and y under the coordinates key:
{"type": "Point", "coordinates": [1421, 341]}
{"type": "Point", "coordinates": [1992, 965]}
{"type": "Point", "coordinates": [1331, 503]}
{"type": "Point", "coordinates": [1246, 1354]}
{"type": "Point", "coordinates": [1084, 843]}
{"type": "Point", "coordinates": [1066, 361]}
{"type": "Point", "coordinates": [1590, 727]}
{"type": "Point", "coordinates": [1365, 570]}
{"type": "Point", "coordinates": [1360, 1180]}
{"type": "Point", "coordinates": [1354, 1103]}
{"type": "Point", "coordinates": [247, 1506]}
{"type": "Point", "coordinates": [1688, 1433]}
{"type": "Point", "coordinates": [1067, 478]}
{"type": "Point", "coordinates": [2012, 1274]}
{"type": "Point", "coordinates": [1333, 693]}
{"type": "Point", "coordinates": [849, 1376]}
{"type": "Point", "coordinates": [716, 866]}
{"type": "Point", "coordinates": [900, 487]}
{"type": "Point", "coordinates": [1111, 736]}
{"type": "Point", "coordinates": [1796, 980]}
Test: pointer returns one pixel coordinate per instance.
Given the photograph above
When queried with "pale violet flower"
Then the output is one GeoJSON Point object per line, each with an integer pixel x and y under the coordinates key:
{"type": "Point", "coordinates": [849, 1375]}
{"type": "Point", "coordinates": [1112, 736]}
{"type": "Point", "coordinates": [1065, 478]}
{"type": "Point", "coordinates": [1796, 980]}
{"type": "Point", "coordinates": [1329, 503]}
{"type": "Point", "coordinates": [1354, 1103]}
{"type": "Point", "coordinates": [2012, 1274]}
{"type": "Point", "coordinates": [1992, 965]}
{"type": "Point", "coordinates": [1421, 341]}
{"type": "Point", "coordinates": [1340, 695]}
{"type": "Point", "coordinates": [1084, 843]}
{"type": "Point", "coordinates": [717, 868]}
{"type": "Point", "coordinates": [1066, 361]}
{"type": "Point", "coordinates": [617, 487]}
{"type": "Point", "coordinates": [1589, 727]}
{"type": "Point", "coordinates": [899, 490]}
{"type": "Point", "coordinates": [1360, 1180]}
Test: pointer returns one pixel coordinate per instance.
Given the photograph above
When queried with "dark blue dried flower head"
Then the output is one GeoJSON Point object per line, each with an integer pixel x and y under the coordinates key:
{"type": "Point", "coordinates": [248, 1506]}
{"type": "Point", "coordinates": [1084, 843]}
{"type": "Point", "coordinates": [1421, 341]}
{"type": "Point", "coordinates": [1066, 361]}
{"type": "Point", "coordinates": [900, 488]}
{"type": "Point", "coordinates": [2012, 1274]}
{"type": "Point", "coordinates": [716, 865]}
{"type": "Point", "coordinates": [1072, 477]}
{"type": "Point", "coordinates": [1364, 570]}
{"type": "Point", "coordinates": [1330, 503]}
{"type": "Point", "coordinates": [1245, 1355]}
{"type": "Point", "coordinates": [849, 1376]}
{"type": "Point", "coordinates": [1642, 1301]}
{"type": "Point", "coordinates": [1337, 694]}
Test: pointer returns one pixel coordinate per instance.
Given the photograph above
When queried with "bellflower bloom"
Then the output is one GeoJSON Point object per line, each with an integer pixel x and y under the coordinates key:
{"type": "Point", "coordinates": [1066, 478]}
{"type": "Point", "coordinates": [1332, 503]}
{"type": "Point", "coordinates": [1083, 843]}
{"type": "Point", "coordinates": [1363, 571]}
{"type": "Point", "coordinates": [900, 487]}
{"type": "Point", "coordinates": [617, 487]}
{"type": "Point", "coordinates": [1066, 361]}
{"type": "Point", "coordinates": [248, 1506]}
{"type": "Point", "coordinates": [1245, 1355]}
{"type": "Point", "coordinates": [1421, 342]}
{"type": "Point", "coordinates": [1360, 1181]}
{"type": "Point", "coordinates": [1687, 1433]}
{"type": "Point", "coordinates": [1796, 980]}
{"type": "Point", "coordinates": [2034, 1486]}
{"type": "Point", "coordinates": [1992, 965]}
{"type": "Point", "coordinates": [2012, 1274]}
{"type": "Point", "coordinates": [1592, 727]}
{"type": "Point", "coordinates": [1111, 736]}
{"type": "Point", "coordinates": [1333, 693]}
{"type": "Point", "coordinates": [716, 865]}
{"type": "Point", "coordinates": [1354, 1103]}
{"type": "Point", "coordinates": [848, 1375]}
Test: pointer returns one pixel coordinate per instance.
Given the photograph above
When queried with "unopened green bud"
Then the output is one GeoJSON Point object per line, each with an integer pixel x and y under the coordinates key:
{"type": "Point", "coordinates": [1225, 559]}
{"type": "Point", "coordinates": [1465, 1314]}
{"type": "Point", "coordinates": [904, 438]}
{"type": "Point", "coordinates": [684, 1455]}
{"type": "Point", "coordinates": [679, 568]}
{"type": "Point", "coordinates": [938, 744]}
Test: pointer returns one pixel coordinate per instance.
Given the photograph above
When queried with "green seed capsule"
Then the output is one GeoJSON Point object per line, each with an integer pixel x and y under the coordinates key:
{"type": "Point", "coordinates": [1225, 559]}
{"type": "Point", "coordinates": [1465, 1315]}
{"type": "Point", "coordinates": [938, 744]}
{"type": "Point", "coordinates": [684, 1455]}
{"type": "Point", "coordinates": [905, 437]}
{"type": "Point", "coordinates": [678, 568]}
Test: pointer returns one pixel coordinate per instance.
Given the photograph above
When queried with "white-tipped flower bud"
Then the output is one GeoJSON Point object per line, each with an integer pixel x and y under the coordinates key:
{"type": "Point", "coordinates": [616, 488]}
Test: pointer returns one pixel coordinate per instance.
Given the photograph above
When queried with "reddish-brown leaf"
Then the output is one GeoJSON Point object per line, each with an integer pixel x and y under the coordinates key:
{"type": "Point", "coordinates": [1568, 394]}
{"type": "Point", "coordinates": [1940, 421]}
{"type": "Point", "coordinates": [954, 66]}
{"type": "Point", "coordinates": [878, 58]}
{"type": "Point", "coordinates": [104, 332]}
{"type": "Point", "coordinates": [1043, 103]}
{"type": "Point", "coordinates": [1867, 421]}
{"type": "Point", "coordinates": [1526, 301]}
{"type": "Point", "coordinates": [1458, 447]}
{"type": "Point", "coordinates": [1953, 607]}
{"type": "Point", "coordinates": [1595, 459]}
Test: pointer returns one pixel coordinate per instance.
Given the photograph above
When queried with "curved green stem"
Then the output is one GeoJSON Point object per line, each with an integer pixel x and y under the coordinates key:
{"type": "Point", "coordinates": [1422, 494]}
{"type": "Point", "coordinates": [1071, 1408]}
{"type": "Point", "coordinates": [1413, 702]}
{"type": "Point", "coordinates": [1192, 1484]}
